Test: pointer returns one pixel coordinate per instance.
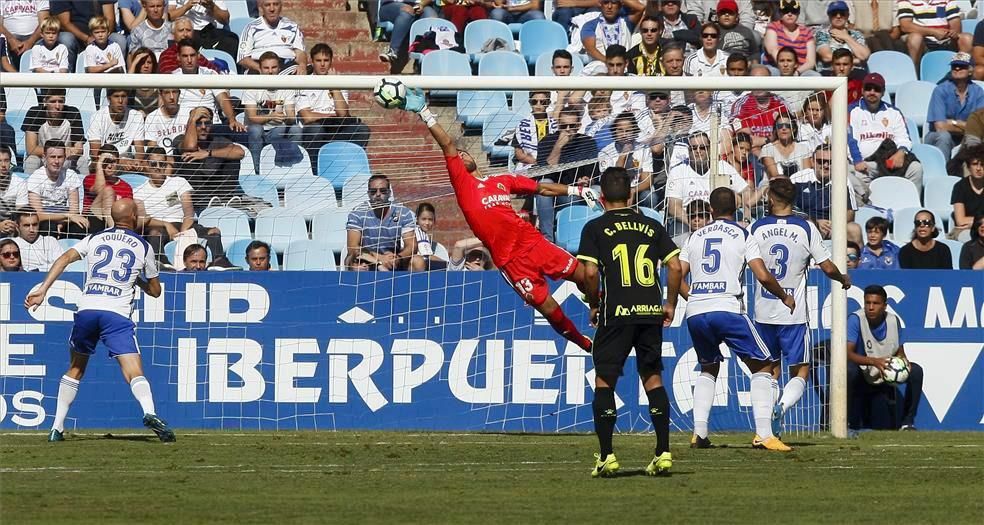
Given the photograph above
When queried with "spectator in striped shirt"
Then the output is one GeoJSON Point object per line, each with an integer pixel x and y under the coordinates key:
{"type": "Point", "coordinates": [787, 31]}
{"type": "Point", "coordinates": [932, 25]}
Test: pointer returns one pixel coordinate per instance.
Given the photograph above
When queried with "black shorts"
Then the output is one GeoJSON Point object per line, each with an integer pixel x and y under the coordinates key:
{"type": "Point", "coordinates": [612, 345]}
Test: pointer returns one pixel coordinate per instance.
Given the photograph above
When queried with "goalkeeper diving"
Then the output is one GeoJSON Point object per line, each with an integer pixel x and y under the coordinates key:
{"type": "Point", "coordinates": [522, 254]}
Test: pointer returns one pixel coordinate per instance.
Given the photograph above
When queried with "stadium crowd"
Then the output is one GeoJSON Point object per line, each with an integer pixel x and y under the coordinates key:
{"type": "Point", "coordinates": [180, 152]}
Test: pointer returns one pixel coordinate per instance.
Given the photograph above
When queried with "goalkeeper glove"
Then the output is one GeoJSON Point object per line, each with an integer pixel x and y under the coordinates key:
{"type": "Point", "coordinates": [416, 102]}
{"type": "Point", "coordinates": [586, 193]}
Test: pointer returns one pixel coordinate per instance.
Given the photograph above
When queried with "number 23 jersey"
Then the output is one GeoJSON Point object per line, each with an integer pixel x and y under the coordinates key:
{"type": "Point", "coordinates": [114, 259]}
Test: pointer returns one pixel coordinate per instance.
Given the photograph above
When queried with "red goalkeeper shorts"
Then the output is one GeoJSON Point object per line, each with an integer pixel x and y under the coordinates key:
{"type": "Point", "coordinates": [526, 272]}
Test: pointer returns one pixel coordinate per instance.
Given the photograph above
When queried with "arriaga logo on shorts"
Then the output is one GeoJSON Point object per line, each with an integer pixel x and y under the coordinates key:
{"type": "Point", "coordinates": [639, 309]}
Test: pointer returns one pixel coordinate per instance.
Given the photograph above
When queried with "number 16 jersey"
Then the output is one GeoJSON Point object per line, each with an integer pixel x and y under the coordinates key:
{"type": "Point", "coordinates": [717, 255]}
{"type": "Point", "coordinates": [114, 259]}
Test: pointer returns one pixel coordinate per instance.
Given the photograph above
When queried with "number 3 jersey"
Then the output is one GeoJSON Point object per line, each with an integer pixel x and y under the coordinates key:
{"type": "Point", "coordinates": [626, 245]}
{"type": "Point", "coordinates": [787, 244]}
{"type": "Point", "coordinates": [114, 259]}
{"type": "Point", "coordinates": [717, 255]}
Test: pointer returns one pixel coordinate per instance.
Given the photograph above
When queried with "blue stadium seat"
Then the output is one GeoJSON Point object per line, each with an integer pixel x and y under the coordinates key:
{"type": "Point", "coordinates": [570, 222]}
{"type": "Point", "coordinates": [280, 175]}
{"type": "Point", "coordinates": [649, 212]}
{"type": "Point", "coordinates": [913, 100]}
{"type": "Point", "coordinates": [445, 63]}
{"type": "Point", "coordinates": [237, 9]}
{"type": "Point", "coordinates": [423, 25]}
{"type": "Point", "coordinates": [475, 107]}
{"type": "Point", "coordinates": [934, 65]}
{"type": "Point", "coordinates": [310, 196]}
{"type": "Point", "coordinates": [545, 61]}
{"type": "Point", "coordinates": [278, 227]}
{"type": "Point", "coordinates": [329, 227]}
{"type": "Point", "coordinates": [19, 101]}
{"type": "Point", "coordinates": [478, 32]}
{"type": "Point", "coordinates": [520, 102]}
{"type": "Point", "coordinates": [955, 247]}
{"type": "Point", "coordinates": [339, 161]}
{"type": "Point", "coordinates": [233, 223]}
{"type": "Point", "coordinates": [230, 61]}
{"type": "Point", "coordinates": [494, 128]}
{"type": "Point", "coordinates": [969, 25]}
{"type": "Point", "coordinates": [354, 190]}
{"type": "Point", "coordinates": [307, 255]}
{"type": "Point", "coordinates": [135, 180]}
{"type": "Point", "coordinates": [236, 253]}
{"type": "Point", "coordinates": [896, 67]}
{"type": "Point", "coordinates": [503, 64]}
{"type": "Point", "coordinates": [936, 196]}
{"type": "Point", "coordinates": [81, 99]}
{"type": "Point", "coordinates": [77, 266]}
{"type": "Point", "coordinates": [171, 248]}
{"type": "Point", "coordinates": [913, 129]}
{"type": "Point", "coordinates": [67, 243]}
{"type": "Point", "coordinates": [236, 25]}
{"type": "Point", "coordinates": [902, 224]}
{"type": "Point", "coordinates": [894, 193]}
{"type": "Point", "coordinates": [25, 63]}
{"type": "Point", "coordinates": [932, 160]}
{"type": "Point", "coordinates": [863, 214]}
{"type": "Point", "coordinates": [541, 36]}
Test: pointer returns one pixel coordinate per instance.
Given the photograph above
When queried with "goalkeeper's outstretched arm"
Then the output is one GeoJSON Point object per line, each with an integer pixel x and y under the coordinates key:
{"type": "Point", "coordinates": [416, 103]}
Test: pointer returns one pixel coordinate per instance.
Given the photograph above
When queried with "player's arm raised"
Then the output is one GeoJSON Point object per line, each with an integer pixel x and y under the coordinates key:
{"type": "Point", "coordinates": [417, 103]}
{"type": "Point", "coordinates": [770, 283]}
{"type": "Point", "coordinates": [36, 297]}
{"type": "Point", "coordinates": [550, 189]}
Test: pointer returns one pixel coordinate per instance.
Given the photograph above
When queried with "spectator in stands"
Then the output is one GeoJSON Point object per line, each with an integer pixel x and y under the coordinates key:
{"type": "Point", "coordinates": [531, 130]}
{"type": "Point", "coordinates": [74, 18]}
{"type": "Point", "coordinates": [144, 99]}
{"type": "Point", "coordinates": [736, 66]}
{"type": "Point", "coordinates": [460, 12]}
{"type": "Point", "coordinates": [814, 192]}
{"type": "Point", "coordinates": [853, 255]}
{"type": "Point", "coordinates": [118, 125]}
{"type": "Point", "coordinates": [12, 190]}
{"type": "Point", "coordinates": [741, 159]}
{"type": "Point", "coordinates": [842, 65]}
{"type": "Point", "coordinates": [50, 55]}
{"type": "Point", "coordinates": [165, 124]}
{"type": "Point", "coordinates": [38, 252]}
{"type": "Point", "coordinates": [787, 31]}
{"type": "Point", "coordinates": [10, 256]}
{"type": "Point", "coordinates": [923, 252]}
{"type": "Point", "coordinates": [565, 10]}
{"type": "Point", "coordinates": [967, 197]}
{"type": "Point", "coordinates": [426, 258]}
{"type": "Point", "coordinates": [272, 32]}
{"type": "Point", "coordinates": [53, 120]}
{"type": "Point", "coordinates": [838, 35]}
{"type": "Point", "coordinates": [692, 181]}
{"type": "Point", "coordinates": [53, 193]}
{"type": "Point", "coordinates": [469, 255]}
{"type": "Point", "coordinates": [561, 65]}
{"type": "Point", "coordinates": [784, 155]}
{"type": "Point", "coordinates": [756, 112]}
{"type": "Point", "coordinates": [737, 35]}
{"type": "Point", "coordinates": [679, 26]}
{"type": "Point", "coordinates": [931, 25]}
{"type": "Point", "coordinates": [972, 252]}
{"type": "Point", "coordinates": [5, 64]}
{"type": "Point", "coordinates": [977, 51]}
{"type": "Point", "coordinates": [271, 114]}
{"type": "Point", "coordinates": [644, 57]}
{"type": "Point", "coordinates": [874, 336]}
{"type": "Point", "coordinates": [382, 227]}
{"type": "Point", "coordinates": [325, 113]}
{"type": "Point", "coordinates": [402, 14]}
{"type": "Point", "coordinates": [608, 28]}
{"type": "Point", "coordinates": [182, 29]}
{"type": "Point", "coordinates": [258, 256]}
{"type": "Point", "coordinates": [878, 253]}
{"type": "Point", "coordinates": [210, 163]}
{"type": "Point", "coordinates": [566, 146]}
{"type": "Point", "coordinates": [189, 59]}
{"type": "Point", "coordinates": [22, 25]}
{"type": "Point", "coordinates": [166, 202]}
{"type": "Point", "coordinates": [103, 56]}
{"type": "Point", "coordinates": [953, 100]}
{"type": "Point", "coordinates": [154, 31]}
{"type": "Point", "coordinates": [814, 129]}
{"type": "Point", "coordinates": [701, 110]}
{"type": "Point", "coordinates": [698, 215]}
{"type": "Point", "coordinates": [203, 15]}
{"type": "Point", "coordinates": [879, 140]}
{"type": "Point", "coordinates": [195, 257]}
{"type": "Point", "coordinates": [708, 60]}
{"type": "Point", "coordinates": [104, 186]}
{"type": "Point", "coordinates": [517, 11]}
{"type": "Point", "coordinates": [672, 62]}
{"type": "Point", "coordinates": [132, 14]}
{"type": "Point", "coordinates": [627, 152]}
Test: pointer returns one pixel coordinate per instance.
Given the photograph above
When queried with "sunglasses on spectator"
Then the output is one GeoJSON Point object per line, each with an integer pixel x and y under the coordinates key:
{"type": "Point", "coordinates": [10, 255]}
{"type": "Point", "coordinates": [852, 257]}
{"type": "Point", "coordinates": [699, 146]}
{"type": "Point", "coordinates": [204, 123]}
{"type": "Point", "coordinates": [836, 14]}
{"type": "Point", "coordinates": [823, 162]}
{"type": "Point", "coordinates": [539, 102]}
{"type": "Point", "coordinates": [158, 163]}
{"type": "Point", "coordinates": [872, 87]}
{"type": "Point", "coordinates": [658, 96]}
{"type": "Point", "coordinates": [923, 222]}
{"type": "Point", "coordinates": [649, 30]}
{"type": "Point", "coordinates": [958, 67]}
{"type": "Point", "coordinates": [709, 35]}
{"type": "Point", "coordinates": [571, 125]}
{"type": "Point", "coordinates": [788, 11]}
{"type": "Point", "coordinates": [784, 125]}
{"type": "Point", "coordinates": [384, 191]}
{"type": "Point", "coordinates": [727, 13]}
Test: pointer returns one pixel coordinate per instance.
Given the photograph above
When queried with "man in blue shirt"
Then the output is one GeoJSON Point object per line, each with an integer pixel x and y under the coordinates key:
{"type": "Point", "coordinates": [953, 100]}
{"type": "Point", "coordinates": [813, 191]}
{"type": "Point", "coordinates": [874, 337]}
{"type": "Point", "coordinates": [381, 228]}
{"type": "Point", "coordinates": [879, 253]}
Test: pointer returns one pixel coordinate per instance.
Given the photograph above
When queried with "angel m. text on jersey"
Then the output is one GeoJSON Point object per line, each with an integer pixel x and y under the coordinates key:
{"type": "Point", "coordinates": [621, 226]}
{"type": "Point", "coordinates": [779, 231]}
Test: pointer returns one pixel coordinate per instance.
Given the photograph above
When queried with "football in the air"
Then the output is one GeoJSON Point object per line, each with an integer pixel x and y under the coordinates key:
{"type": "Point", "coordinates": [390, 93]}
{"type": "Point", "coordinates": [897, 371]}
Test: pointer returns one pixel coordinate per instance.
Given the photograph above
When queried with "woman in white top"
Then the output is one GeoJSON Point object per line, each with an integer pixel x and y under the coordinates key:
{"type": "Point", "coordinates": [785, 155]}
{"type": "Point", "coordinates": [815, 127]}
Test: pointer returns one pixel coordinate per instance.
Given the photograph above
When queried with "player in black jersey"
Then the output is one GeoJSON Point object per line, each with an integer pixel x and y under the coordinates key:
{"type": "Point", "coordinates": [624, 246]}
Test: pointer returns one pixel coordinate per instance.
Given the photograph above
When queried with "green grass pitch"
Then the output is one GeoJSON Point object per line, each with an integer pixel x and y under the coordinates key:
{"type": "Point", "coordinates": [386, 477]}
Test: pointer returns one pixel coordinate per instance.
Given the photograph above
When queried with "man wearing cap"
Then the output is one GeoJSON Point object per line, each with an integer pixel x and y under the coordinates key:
{"type": "Point", "coordinates": [953, 100]}
{"type": "Point", "coordinates": [736, 36]}
{"type": "Point", "coordinates": [837, 35]}
{"type": "Point", "coordinates": [871, 122]}
{"type": "Point", "coordinates": [933, 24]}
{"type": "Point", "coordinates": [710, 11]}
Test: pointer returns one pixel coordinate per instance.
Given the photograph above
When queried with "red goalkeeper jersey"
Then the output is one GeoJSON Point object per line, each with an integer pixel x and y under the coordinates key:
{"type": "Point", "coordinates": [487, 206]}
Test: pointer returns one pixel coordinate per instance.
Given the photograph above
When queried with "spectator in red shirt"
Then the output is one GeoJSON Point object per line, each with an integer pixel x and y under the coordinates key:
{"type": "Point", "coordinates": [103, 187]}
{"type": "Point", "coordinates": [756, 112]}
{"type": "Point", "coordinates": [181, 29]}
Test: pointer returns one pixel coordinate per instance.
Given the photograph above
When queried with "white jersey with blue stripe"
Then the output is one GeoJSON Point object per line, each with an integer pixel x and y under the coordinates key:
{"type": "Point", "coordinates": [787, 244]}
{"type": "Point", "coordinates": [114, 259]}
{"type": "Point", "coordinates": [717, 255]}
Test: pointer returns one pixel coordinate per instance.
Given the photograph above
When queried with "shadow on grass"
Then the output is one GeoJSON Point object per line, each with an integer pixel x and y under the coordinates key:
{"type": "Point", "coordinates": [642, 473]}
{"type": "Point", "coordinates": [110, 436]}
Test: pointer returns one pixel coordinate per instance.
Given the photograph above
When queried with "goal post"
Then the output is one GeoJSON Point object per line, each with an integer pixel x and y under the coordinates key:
{"type": "Point", "coordinates": [837, 401]}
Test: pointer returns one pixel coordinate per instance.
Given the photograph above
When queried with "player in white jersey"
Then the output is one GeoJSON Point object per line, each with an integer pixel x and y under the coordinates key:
{"type": "Point", "coordinates": [114, 260]}
{"type": "Point", "coordinates": [788, 242]}
{"type": "Point", "coordinates": [715, 257]}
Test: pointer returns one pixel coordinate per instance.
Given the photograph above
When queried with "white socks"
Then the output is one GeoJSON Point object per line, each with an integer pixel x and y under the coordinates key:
{"type": "Point", "coordinates": [703, 399]}
{"type": "Point", "coordinates": [141, 390]}
{"type": "Point", "coordinates": [762, 404]}
{"type": "Point", "coordinates": [792, 393]}
{"type": "Point", "coordinates": [67, 389]}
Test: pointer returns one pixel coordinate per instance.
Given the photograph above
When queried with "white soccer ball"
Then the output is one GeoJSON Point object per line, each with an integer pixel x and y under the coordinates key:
{"type": "Point", "coordinates": [897, 371]}
{"type": "Point", "coordinates": [390, 93]}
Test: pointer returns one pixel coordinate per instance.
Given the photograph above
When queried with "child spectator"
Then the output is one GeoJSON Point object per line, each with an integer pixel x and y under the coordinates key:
{"type": "Point", "coordinates": [878, 253]}
{"type": "Point", "coordinates": [50, 56]}
{"type": "Point", "coordinates": [426, 257]}
{"type": "Point", "coordinates": [270, 114]}
{"type": "Point", "coordinates": [103, 56]}
{"type": "Point", "coordinates": [853, 255]}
